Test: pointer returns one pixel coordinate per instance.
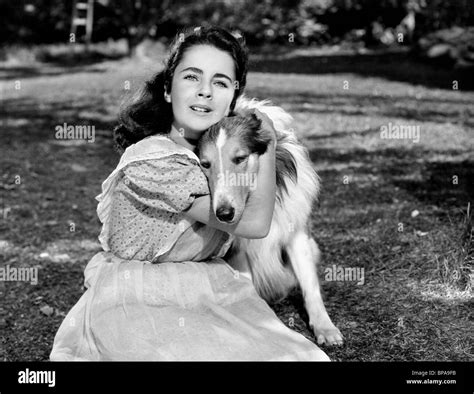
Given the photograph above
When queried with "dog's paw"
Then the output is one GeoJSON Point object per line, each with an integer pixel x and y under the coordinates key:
{"type": "Point", "coordinates": [328, 334]}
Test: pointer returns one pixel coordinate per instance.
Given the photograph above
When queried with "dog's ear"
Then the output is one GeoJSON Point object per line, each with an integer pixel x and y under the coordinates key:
{"type": "Point", "coordinates": [262, 136]}
{"type": "Point", "coordinates": [266, 121]}
{"type": "Point", "coordinates": [254, 122]}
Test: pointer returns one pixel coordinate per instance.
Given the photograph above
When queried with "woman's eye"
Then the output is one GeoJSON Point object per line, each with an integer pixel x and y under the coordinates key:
{"type": "Point", "coordinates": [205, 165]}
{"type": "Point", "coordinates": [240, 159]}
{"type": "Point", "coordinates": [221, 84]}
{"type": "Point", "coordinates": [192, 77]}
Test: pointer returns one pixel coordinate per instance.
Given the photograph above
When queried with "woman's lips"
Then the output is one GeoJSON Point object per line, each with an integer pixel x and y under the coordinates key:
{"type": "Point", "coordinates": [200, 109]}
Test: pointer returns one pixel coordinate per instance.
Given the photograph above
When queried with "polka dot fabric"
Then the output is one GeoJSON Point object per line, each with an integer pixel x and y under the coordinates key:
{"type": "Point", "coordinates": [148, 202]}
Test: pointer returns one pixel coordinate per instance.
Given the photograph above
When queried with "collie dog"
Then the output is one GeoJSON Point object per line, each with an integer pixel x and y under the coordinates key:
{"type": "Point", "coordinates": [288, 255]}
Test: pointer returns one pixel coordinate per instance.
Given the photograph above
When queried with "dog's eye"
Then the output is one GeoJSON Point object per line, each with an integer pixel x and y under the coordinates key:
{"type": "Point", "coordinates": [240, 159]}
{"type": "Point", "coordinates": [205, 164]}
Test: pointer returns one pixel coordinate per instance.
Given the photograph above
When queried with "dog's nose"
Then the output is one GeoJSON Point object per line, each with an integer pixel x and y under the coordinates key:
{"type": "Point", "coordinates": [225, 213]}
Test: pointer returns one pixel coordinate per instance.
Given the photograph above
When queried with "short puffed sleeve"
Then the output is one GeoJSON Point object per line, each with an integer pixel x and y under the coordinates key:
{"type": "Point", "coordinates": [170, 184]}
{"type": "Point", "coordinates": [147, 204]}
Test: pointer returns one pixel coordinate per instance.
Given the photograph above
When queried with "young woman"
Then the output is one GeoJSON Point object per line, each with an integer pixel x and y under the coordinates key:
{"type": "Point", "coordinates": [160, 290]}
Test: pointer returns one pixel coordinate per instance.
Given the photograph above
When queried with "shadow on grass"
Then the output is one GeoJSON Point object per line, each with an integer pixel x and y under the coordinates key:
{"type": "Point", "coordinates": [22, 72]}
{"type": "Point", "coordinates": [26, 121]}
{"type": "Point", "coordinates": [80, 58]}
{"type": "Point", "coordinates": [445, 184]}
{"type": "Point", "coordinates": [440, 109]}
{"type": "Point", "coordinates": [403, 67]}
{"type": "Point", "coordinates": [64, 62]}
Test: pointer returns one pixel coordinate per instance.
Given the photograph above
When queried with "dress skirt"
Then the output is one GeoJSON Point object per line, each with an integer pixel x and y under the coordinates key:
{"type": "Point", "coordinates": [175, 311]}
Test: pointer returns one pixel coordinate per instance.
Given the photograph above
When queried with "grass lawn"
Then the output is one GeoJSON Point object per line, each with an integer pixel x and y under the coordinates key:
{"type": "Point", "coordinates": [396, 208]}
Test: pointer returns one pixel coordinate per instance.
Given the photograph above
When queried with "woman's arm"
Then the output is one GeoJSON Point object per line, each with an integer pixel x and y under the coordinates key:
{"type": "Point", "coordinates": [257, 216]}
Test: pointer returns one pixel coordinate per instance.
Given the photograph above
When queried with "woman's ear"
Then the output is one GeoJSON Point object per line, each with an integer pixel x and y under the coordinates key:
{"type": "Point", "coordinates": [166, 95]}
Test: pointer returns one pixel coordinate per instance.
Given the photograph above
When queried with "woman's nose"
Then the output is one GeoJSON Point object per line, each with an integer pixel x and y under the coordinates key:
{"type": "Point", "coordinates": [205, 91]}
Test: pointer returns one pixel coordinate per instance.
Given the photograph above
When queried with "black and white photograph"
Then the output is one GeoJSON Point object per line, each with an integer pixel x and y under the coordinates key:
{"type": "Point", "coordinates": [237, 181]}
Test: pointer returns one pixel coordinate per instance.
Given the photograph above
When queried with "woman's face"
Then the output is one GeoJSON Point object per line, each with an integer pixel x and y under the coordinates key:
{"type": "Point", "coordinates": [202, 89]}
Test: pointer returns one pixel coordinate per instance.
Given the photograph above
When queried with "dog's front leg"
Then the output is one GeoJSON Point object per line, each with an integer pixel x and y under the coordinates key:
{"type": "Point", "coordinates": [304, 255]}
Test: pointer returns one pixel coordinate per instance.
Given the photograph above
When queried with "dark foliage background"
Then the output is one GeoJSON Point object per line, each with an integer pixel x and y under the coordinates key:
{"type": "Point", "coordinates": [267, 21]}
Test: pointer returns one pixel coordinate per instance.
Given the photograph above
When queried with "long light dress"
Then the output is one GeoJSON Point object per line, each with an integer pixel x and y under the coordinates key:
{"type": "Point", "coordinates": [160, 289]}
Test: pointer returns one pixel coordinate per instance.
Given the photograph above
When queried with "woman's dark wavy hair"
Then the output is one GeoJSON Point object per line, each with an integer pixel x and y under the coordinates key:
{"type": "Point", "coordinates": [148, 113]}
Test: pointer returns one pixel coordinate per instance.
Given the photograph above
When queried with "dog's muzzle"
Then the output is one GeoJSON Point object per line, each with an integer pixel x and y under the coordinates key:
{"type": "Point", "coordinates": [225, 213]}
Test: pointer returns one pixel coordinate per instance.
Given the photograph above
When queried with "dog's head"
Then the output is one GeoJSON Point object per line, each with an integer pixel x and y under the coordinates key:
{"type": "Point", "coordinates": [228, 152]}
